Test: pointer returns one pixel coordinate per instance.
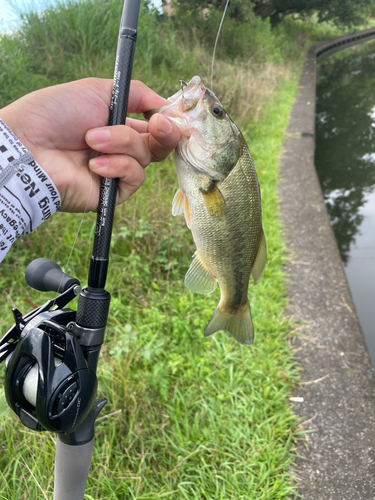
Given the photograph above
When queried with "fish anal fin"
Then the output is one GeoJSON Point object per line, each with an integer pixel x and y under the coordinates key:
{"type": "Point", "coordinates": [214, 200]}
{"type": "Point", "coordinates": [237, 322]}
{"type": "Point", "coordinates": [198, 279]}
{"type": "Point", "coordinates": [178, 203]}
{"type": "Point", "coordinates": [260, 259]}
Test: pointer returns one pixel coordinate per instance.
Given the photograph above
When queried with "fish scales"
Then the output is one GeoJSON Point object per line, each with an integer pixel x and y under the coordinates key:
{"type": "Point", "coordinates": [220, 197]}
{"type": "Point", "coordinates": [227, 244]}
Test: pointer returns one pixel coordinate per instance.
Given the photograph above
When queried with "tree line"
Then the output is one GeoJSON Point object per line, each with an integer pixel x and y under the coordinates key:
{"type": "Point", "coordinates": [347, 13]}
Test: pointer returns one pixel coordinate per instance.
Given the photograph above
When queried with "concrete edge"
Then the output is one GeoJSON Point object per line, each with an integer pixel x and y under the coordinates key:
{"type": "Point", "coordinates": [336, 460]}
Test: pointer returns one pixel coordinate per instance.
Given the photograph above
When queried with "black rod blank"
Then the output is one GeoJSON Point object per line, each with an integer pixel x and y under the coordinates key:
{"type": "Point", "coordinates": [118, 109]}
{"type": "Point", "coordinates": [93, 302]}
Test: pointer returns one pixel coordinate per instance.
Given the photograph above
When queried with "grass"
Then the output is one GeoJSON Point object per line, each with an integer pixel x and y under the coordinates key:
{"type": "Point", "coordinates": [187, 417]}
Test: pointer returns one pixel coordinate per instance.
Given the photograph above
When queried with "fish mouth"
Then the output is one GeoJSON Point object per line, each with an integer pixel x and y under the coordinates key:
{"type": "Point", "coordinates": [190, 91]}
{"type": "Point", "coordinates": [182, 101]}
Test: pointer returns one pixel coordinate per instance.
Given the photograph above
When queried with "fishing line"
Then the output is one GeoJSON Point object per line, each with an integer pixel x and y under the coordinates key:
{"type": "Point", "coordinates": [81, 222]}
{"type": "Point", "coordinates": [78, 231]}
{"type": "Point", "coordinates": [217, 38]}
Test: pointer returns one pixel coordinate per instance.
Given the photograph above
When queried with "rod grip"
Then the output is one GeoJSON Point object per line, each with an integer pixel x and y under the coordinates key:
{"type": "Point", "coordinates": [72, 464]}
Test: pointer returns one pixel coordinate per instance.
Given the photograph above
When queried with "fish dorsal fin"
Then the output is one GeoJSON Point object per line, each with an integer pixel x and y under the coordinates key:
{"type": "Point", "coordinates": [198, 279]}
{"type": "Point", "coordinates": [214, 200]}
{"type": "Point", "coordinates": [260, 259]}
{"type": "Point", "coordinates": [178, 203]}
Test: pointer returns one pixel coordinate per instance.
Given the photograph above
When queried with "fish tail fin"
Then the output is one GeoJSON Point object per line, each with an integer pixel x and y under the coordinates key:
{"type": "Point", "coordinates": [238, 323]}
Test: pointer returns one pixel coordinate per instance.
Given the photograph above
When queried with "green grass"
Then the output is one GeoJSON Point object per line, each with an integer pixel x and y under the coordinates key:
{"type": "Point", "coordinates": [187, 417]}
{"type": "Point", "coordinates": [192, 417]}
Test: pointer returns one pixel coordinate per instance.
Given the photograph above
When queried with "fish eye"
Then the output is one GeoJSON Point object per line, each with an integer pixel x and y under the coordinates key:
{"type": "Point", "coordinates": [217, 111]}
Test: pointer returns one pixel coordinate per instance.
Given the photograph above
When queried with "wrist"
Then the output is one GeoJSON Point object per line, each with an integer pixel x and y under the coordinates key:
{"type": "Point", "coordinates": [14, 121]}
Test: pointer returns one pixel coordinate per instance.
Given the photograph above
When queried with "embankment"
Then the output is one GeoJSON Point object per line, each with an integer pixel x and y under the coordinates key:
{"type": "Point", "coordinates": [338, 389]}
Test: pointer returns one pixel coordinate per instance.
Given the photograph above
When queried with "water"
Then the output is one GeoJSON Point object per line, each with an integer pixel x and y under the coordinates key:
{"type": "Point", "coordinates": [345, 162]}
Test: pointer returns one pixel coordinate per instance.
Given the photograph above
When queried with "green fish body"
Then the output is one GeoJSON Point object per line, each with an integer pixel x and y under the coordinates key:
{"type": "Point", "coordinates": [220, 197]}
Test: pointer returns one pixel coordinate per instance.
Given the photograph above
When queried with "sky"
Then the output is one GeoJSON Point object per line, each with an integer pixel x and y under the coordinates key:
{"type": "Point", "coordinates": [10, 10]}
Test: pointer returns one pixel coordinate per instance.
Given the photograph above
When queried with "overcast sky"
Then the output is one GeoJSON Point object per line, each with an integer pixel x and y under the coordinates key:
{"type": "Point", "coordinates": [10, 10]}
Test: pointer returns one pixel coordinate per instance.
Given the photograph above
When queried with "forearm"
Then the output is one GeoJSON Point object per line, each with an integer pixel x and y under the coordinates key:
{"type": "Point", "coordinates": [28, 196]}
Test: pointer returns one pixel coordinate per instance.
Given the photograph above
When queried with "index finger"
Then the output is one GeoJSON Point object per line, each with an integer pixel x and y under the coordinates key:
{"type": "Point", "coordinates": [142, 98]}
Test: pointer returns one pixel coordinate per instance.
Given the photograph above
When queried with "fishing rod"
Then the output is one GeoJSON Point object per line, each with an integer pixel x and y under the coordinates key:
{"type": "Point", "coordinates": [51, 353]}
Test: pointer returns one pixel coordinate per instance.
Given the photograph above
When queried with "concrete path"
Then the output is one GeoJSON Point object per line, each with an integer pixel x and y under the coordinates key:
{"type": "Point", "coordinates": [338, 457]}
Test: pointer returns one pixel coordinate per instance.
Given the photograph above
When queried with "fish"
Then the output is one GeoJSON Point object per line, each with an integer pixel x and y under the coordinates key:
{"type": "Point", "coordinates": [220, 197]}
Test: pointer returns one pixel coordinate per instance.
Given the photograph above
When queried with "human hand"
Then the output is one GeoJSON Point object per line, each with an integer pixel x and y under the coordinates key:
{"type": "Point", "coordinates": [63, 126]}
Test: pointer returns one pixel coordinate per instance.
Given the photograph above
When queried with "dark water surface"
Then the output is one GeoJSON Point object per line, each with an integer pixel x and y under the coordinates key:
{"type": "Point", "coordinates": [345, 162]}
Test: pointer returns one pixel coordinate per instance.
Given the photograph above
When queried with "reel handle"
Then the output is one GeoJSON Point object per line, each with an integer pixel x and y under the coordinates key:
{"type": "Point", "coordinates": [47, 276]}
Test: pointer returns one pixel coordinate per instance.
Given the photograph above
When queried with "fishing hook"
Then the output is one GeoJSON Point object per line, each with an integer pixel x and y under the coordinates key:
{"type": "Point", "coordinates": [183, 84]}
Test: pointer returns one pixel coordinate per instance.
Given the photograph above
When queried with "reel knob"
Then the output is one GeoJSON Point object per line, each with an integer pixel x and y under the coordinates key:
{"type": "Point", "coordinates": [47, 276]}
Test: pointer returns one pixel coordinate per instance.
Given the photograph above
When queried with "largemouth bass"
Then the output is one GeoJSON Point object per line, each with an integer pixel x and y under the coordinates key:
{"type": "Point", "coordinates": [220, 198]}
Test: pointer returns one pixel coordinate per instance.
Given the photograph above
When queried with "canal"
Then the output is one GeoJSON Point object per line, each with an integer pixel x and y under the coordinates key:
{"type": "Point", "coordinates": [345, 163]}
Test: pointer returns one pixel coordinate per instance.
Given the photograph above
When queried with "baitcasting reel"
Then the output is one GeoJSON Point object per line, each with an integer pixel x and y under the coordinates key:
{"type": "Point", "coordinates": [49, 382]}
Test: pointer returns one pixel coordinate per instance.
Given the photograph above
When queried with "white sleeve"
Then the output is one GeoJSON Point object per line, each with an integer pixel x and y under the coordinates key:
{"type": "Point", "coordinates": [28, 196]}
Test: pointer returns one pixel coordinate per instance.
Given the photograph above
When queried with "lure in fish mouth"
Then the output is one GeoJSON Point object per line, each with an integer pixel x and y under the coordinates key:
{"type": "Point", "coordinates": [220, 198]}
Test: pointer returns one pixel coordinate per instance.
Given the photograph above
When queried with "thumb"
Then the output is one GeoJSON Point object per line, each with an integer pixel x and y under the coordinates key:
{"type": "Point", "coordinates": [164, 136]}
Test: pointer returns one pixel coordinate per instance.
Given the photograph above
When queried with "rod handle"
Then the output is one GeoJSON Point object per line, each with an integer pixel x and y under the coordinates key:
{"type": "Point", "coordinates": [72, 464]}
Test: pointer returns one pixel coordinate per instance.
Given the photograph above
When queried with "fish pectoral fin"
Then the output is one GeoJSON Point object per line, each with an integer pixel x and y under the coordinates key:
{"type": "Point", "coordinates": [260, 259]}
{"type": "Point", "coordinates": [198, 279]}
{"type": "Point", "coordinates": [178, 203]}
{"type": "Point", "coordinates": [187, 212]}
{"type": "Point", "coordinates": [214, 200]}
{"type": "Point", "coordinates": [238, 323]}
